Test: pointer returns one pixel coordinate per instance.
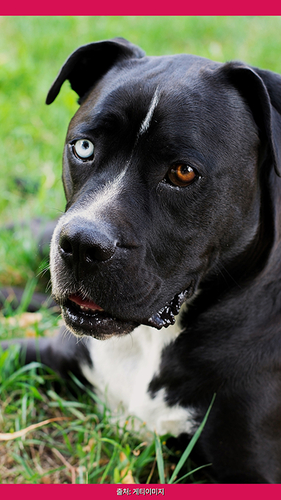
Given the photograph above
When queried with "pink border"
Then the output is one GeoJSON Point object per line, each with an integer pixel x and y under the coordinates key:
{"type": "Point", "coordinates": [143, 7]}
{"type": "Point", "coordinates": [171, 492]}
{"type": "Point", "coordinates": [127, 8]}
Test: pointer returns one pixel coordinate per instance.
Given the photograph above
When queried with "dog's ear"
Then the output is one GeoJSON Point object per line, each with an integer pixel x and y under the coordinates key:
{"type": "Point", "coordinates": [89, 63]}
{"type": "Point", "coordinates": [262, 91]}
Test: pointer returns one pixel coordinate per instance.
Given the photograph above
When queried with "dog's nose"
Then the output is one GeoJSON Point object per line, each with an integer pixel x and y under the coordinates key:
{"type": "Point", "coordinates": [81, 244]}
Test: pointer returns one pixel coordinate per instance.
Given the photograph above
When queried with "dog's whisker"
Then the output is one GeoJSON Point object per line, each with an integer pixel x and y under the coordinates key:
{"type": "Point", "coordinates": [49, 286]}
{"type": "Point", "coordinates": [43, 271]}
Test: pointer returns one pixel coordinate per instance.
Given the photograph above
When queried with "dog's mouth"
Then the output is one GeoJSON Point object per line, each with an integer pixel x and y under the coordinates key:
{"type": "Point", "coordinates": [85, 317]}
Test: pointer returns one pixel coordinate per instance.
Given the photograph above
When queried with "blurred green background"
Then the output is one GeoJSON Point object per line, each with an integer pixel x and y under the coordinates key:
{"type": "Point", "coordinates": [32, 49]}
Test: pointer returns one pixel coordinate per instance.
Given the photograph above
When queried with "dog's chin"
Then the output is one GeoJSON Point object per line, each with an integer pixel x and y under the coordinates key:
{"type": "Point", "coordinates": [85, 318]}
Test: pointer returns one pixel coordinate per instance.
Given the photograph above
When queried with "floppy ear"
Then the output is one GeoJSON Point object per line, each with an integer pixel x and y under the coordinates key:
{"type": "Point", "coordinates": [262, 91]}
{"type": "Point", "coordinates": [86, 65]}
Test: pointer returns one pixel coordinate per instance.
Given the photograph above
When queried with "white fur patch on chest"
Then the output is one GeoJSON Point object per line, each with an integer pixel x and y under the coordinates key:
{"type": "Point", "coordinates": [122, 370]}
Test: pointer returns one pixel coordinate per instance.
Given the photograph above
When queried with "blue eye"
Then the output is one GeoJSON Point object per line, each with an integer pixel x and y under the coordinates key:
{"type": "Point", "coordinates": [84, 149]}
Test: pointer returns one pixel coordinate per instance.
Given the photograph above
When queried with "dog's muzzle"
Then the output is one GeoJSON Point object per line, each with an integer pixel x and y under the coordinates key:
{"type": "Point", "coordinates": [89, 255]}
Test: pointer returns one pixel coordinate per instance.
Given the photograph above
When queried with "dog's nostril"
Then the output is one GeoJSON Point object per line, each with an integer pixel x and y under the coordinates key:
{"type": "Point", "coordinates": [66, 246]}
{"type": "Point", "coordinates": [98, 253]}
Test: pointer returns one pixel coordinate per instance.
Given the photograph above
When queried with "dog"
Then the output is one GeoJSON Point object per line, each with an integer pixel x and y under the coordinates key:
{"type": "Point", "coordinates": [167, 260]}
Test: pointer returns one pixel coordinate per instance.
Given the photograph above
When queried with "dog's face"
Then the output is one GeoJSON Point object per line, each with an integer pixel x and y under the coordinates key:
{"type": "Point", "coordinates": [162, 177]}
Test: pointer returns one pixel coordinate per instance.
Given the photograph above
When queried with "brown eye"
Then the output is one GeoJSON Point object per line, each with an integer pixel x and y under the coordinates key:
{"type": "Point", "coordinates": [181, 175]}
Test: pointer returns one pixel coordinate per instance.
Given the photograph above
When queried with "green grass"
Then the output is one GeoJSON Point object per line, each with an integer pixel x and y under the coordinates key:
{"type": "Point", "coordinates": [89, 447]}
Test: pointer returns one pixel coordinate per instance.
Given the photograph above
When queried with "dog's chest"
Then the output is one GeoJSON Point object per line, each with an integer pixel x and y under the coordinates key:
{"type": "Point", "coordinates": [122, 370]}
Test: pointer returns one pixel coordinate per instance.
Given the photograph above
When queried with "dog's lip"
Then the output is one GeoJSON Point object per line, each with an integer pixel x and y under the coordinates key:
{"type": "Point", "coordinates": [92, 321]}
{"type": "Point", "coordinates": [85, 303]}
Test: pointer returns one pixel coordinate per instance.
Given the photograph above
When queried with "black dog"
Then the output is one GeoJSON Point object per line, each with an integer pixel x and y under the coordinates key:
{"type": "Point", "coordinates": [171, 174]}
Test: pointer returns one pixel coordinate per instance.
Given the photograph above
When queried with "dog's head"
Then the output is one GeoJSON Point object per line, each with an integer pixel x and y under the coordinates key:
{"type": "Point", "coordinates": [164, 163]}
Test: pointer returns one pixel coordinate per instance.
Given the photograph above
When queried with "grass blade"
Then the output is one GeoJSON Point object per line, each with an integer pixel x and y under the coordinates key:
{"type": "Point", "coordinates": [27, 295]}
{"type": "Point", "coordinates": [107, 469]}
{"type": "Point", "coordinates": [191, 444]}
{"type": "Point", "coordinates": [191, 472]}
{"type": "Point", "coordinates": [159, 459]}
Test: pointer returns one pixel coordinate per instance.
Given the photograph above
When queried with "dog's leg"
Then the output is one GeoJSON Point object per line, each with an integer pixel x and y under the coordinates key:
{"type": "Point", "coordinates": [63, 353]}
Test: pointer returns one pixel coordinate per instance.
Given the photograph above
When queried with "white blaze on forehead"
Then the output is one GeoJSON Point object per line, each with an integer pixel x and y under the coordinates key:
{"type": "Point", "coordinates": [146, 122]}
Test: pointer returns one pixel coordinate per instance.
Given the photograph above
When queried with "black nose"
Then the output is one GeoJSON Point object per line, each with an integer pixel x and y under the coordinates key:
{"type": "Point", "coordinates": [83, 245]}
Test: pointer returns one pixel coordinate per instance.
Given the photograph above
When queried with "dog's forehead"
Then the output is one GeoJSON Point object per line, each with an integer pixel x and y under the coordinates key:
{"type": "Point", "coordinates": [133, 84]}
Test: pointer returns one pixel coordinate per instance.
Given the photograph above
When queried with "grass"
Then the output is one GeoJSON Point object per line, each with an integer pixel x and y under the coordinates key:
{"type": "Point", "coordinates": [88, 447]}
